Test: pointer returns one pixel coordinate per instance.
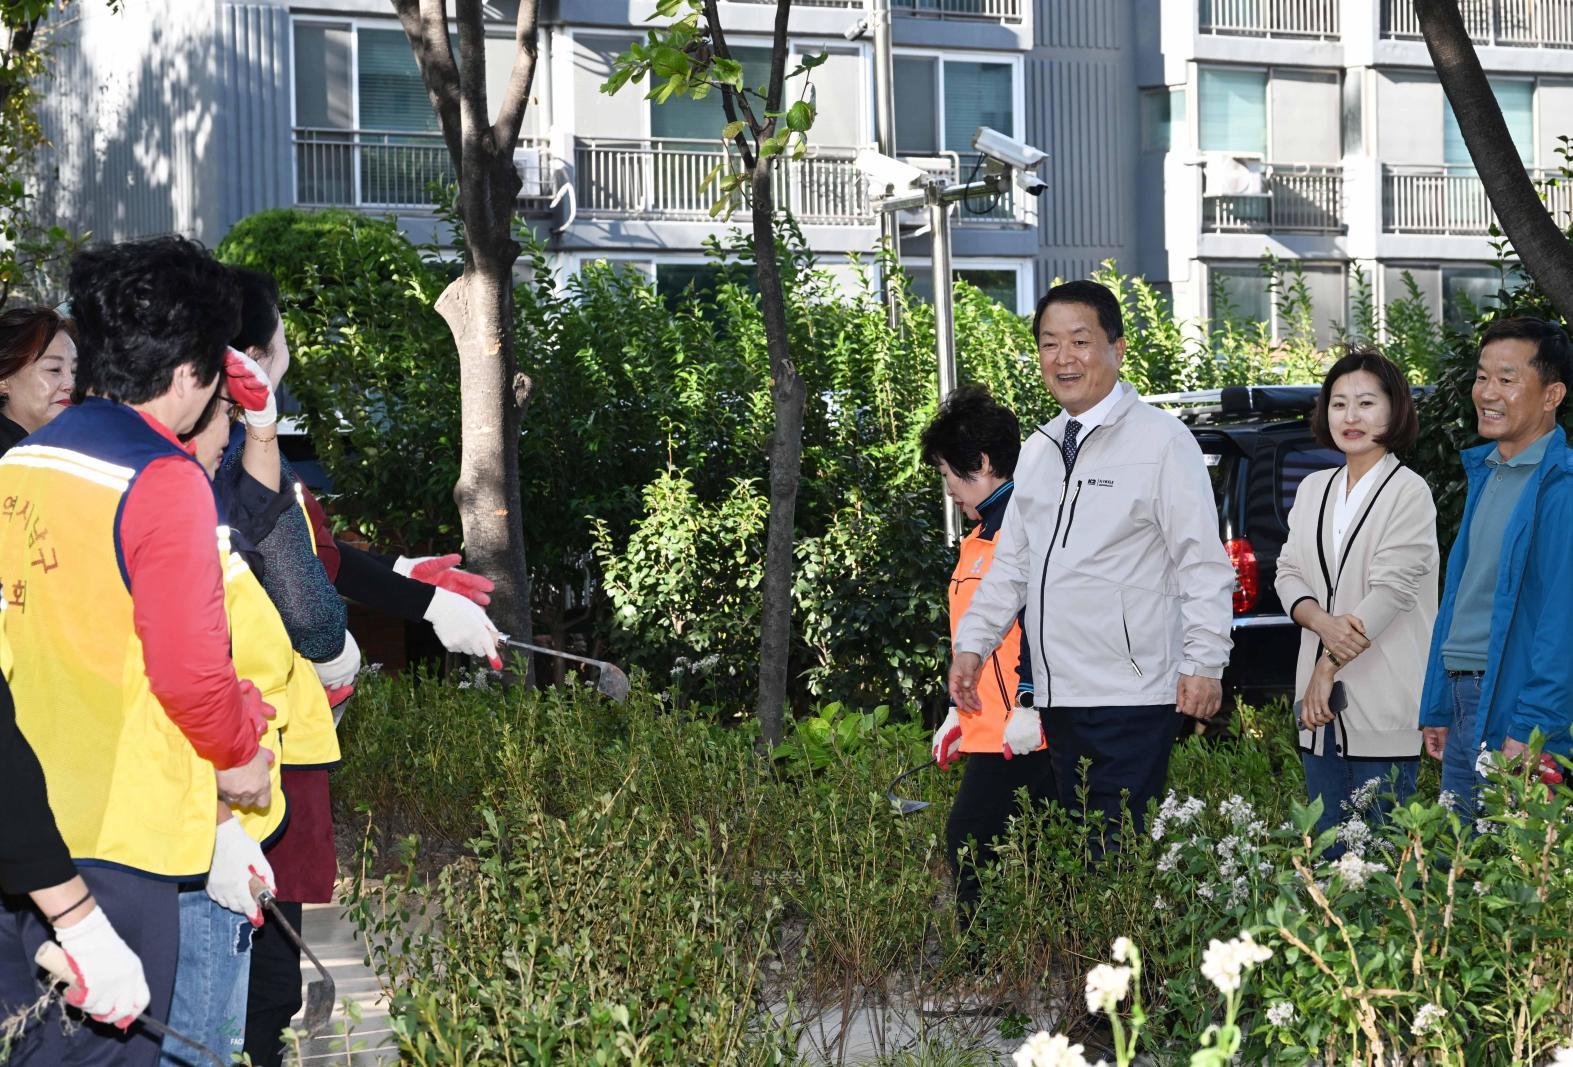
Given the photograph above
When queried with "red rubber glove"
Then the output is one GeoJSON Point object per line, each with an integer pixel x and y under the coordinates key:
{"type": "Point", "coordinates": [443, 572]}
{"type": "Point", "coordinates": [249, 387]}
{"type": "Point", "coordinates": [947, 741]}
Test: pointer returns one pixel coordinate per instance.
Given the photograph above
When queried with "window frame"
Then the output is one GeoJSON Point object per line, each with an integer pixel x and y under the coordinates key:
{"type": "Point", "coordinates": [1193, 108]}
{"type": "Point", "coordinates": [1273, 324]}
{"type": "Point", "coordinates": [1025, 300]}
{"type": "Point", "coordinates": [940, 56]}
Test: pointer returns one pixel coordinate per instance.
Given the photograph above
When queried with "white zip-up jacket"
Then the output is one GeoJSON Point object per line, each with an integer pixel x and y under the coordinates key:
{"type": "Point", "coordinates": [1118, 562]}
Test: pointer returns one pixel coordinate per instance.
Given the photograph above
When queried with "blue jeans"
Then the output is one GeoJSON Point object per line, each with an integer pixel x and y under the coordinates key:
{"type": "Point", "coordinates": [211, 981]}
{"type": "Point", "coordinates": [1336, 779]}
{"type": "Point", "coordinates": [1458, 759]}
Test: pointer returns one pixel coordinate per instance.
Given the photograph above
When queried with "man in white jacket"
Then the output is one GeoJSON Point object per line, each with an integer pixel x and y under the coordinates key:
{"type": "Point", "coordinates": [1111, 544]}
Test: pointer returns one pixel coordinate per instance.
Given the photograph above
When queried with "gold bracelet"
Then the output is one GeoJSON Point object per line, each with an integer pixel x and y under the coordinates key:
{"type": "Point", "coordinates": [262, 440]}
{"type": "Point", "coordinates": [1336, 662]}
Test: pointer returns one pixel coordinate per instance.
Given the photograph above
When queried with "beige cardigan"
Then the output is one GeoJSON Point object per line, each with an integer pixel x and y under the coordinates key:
{"type": "Point", "coordinates": [1387, 578]}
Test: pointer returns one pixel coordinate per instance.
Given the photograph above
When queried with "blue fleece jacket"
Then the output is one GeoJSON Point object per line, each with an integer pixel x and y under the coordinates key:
{"type": "Point", "coordinates": [1528, 681]}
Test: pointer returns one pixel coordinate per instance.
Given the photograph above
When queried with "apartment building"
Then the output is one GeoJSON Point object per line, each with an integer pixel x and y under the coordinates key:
{"type": "Point", "coordinates": [1317, 130]}
{"type": "Point", "coordinates": [1187, 138]}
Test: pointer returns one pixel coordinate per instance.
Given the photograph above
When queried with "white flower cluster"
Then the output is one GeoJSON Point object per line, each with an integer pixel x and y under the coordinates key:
{"type": "Point", "coordinates": [1045, 1050]}
{"type": "Point", "coordinates": [1562, 1058]}
{"type": "Point", "coordinates": [1121, 949]}
{"type": "Point", "coordinates": [1282, 1014]}
{"type": "Point", "coordinates": [1107, 985]}
{"type": "Point", "coordinates": [1225, 962]}
{"type": "Point", "coordinates": [1427, 1019]}
{"type": "Point", "coordinates": [1237, 810]}
{"type": "Point", "coordinates": [1484, 763]}
{"type": "Point", "coordinates": [1355, 835]}
{"type": "Point", "coordinates": [1363, 799]}
{"type": "Point", "coordinates": [703, 665]}
{"type": "Point", "coordinates": [1176, 812]}
{"type": "Point", "coordinates": [1354, 870]}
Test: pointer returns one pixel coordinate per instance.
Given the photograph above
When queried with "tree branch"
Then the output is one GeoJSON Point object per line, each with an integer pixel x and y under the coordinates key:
{"type": "Point", "coordinates": [516, 98]}
{"type": "Point", "coordinates": [1542, 247]}
{"type": "Point", "coordinates": [21, 43]}
{"type": "Point", "coordinates": [425, 23]}
{"type": "Point", "coordinates": [473, 122]}
{"type": "Point", "coordinates": [730, 97]}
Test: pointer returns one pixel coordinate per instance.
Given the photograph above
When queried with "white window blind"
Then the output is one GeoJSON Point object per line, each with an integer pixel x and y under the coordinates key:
{"type": "Point", "coordinates": [917, 110]}
{"type": "Point", "coordinates": [1516, 99]}
{"type": "Point", "coordinates": [976, 94]}
{"type": "Point", "coordinates": [392, 96]}
{"type": "Point", "coordinates": [1232, 107]}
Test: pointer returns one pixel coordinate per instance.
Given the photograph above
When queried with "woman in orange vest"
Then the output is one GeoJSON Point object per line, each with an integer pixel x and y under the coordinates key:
{"type": "Point", "coordinates": [974, 441]}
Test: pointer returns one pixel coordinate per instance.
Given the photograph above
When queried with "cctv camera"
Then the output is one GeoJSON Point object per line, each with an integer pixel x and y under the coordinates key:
{"type": "Point", "coordinates": [1030, 184]}
{"type": "Point", "coordinates": [856, 31]}
{"type": "Point", "coordinates": [1007, 150]}
{"type": "Point", "coordinates": [886, 174]}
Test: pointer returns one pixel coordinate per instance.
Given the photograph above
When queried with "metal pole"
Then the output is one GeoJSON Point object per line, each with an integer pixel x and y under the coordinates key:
{"type": "Point", "coordinates": [885, 134]}
{"type": "Point", "coordinates": [944, 318]}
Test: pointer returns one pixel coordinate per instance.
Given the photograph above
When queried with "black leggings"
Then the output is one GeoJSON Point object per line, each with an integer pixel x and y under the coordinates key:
{"type": "Point", "coordinates": [275, 989]}
{"type": "Point", "coordinates": [984, 803]}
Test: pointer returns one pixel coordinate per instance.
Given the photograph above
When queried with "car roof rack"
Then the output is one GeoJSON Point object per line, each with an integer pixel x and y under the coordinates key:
{"type": "Point", "coordinates": [1239, 401]}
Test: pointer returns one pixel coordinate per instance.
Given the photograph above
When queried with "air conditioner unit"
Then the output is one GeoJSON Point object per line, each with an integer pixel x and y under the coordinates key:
{"type": "Point", "coordinates": [1233, 175]}
{"type": "Point", "coordinates": [534, 165]}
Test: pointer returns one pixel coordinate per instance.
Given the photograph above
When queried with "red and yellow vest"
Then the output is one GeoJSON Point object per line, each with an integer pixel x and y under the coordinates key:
{"type": "Point", "coordinates": [126, 787]}
{"type": "Point", "coordinates": [985, 730]}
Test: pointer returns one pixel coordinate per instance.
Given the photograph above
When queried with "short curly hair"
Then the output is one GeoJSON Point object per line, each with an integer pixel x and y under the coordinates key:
{"type": "Point", "coordinates": [971, 424]}
{"type": "Point", "coordinates": [1403, 424]}
{"type": "Point", "coordinates": [145, 308]}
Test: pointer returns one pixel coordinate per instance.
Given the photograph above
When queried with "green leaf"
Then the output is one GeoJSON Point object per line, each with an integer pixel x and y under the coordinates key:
{"type": "Point", "coordinates": [729, 71]}
{"type": "Point", "coordinates": [669, 62]}
{"type": "Point", "coordinates": [810, 62]}
{"type": "Point", "coordinates": [732, 129]}
{"type": "Point", "coordinates": [800, 116]}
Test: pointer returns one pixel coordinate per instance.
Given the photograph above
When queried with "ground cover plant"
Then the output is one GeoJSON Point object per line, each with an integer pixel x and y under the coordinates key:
{"type": "Point", "coordinates": [568, 880]}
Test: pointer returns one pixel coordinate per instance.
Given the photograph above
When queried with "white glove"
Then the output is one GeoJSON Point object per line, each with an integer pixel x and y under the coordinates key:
{"type": "Point", "coordinates": [341, 669]}
{"type": "Point", "coordinates": [462, 626]}
{"type": "Point", "coordinates": [110, 985]}
{"type": "Point", "coordinates": [249, 387]}
{"type": "Point", "coordinates": [1023, 732]}
{"type": "Point", "coordinates": [947, 741]}
{"type": "Point", "coordinates": [237, 859]}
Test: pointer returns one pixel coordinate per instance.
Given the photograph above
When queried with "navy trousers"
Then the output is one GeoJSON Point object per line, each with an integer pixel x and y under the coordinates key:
{"type": "Point", "coordinates": [1128, 749]}
{"type": "Point", "coordinates": [145, 912]}
{"type": "Point", "coordinates": [984, 804]}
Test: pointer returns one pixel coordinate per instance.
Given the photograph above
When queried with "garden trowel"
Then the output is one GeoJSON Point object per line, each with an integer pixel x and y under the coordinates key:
{"type": "Point", "coordinates": [52, 958]}
{"type": "Point", "coordinates": [321, 993]}
{"type": "Point", "coordinates": [610, 680]}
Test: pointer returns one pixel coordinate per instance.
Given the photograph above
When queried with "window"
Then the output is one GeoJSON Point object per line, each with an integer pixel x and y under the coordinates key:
{"type": "Point", "coordinates": [684, 117]}
{"type": "Point", "coordinates": [941, 103]}
{"type": "Point", "coordinates": [1000, 284]}
{"type": "Point", "coordinates": [1232, 108]}
{"type": "Point", "coordinates": [673, 280]}
{"type": "Point", "coordinates": [1239, 295]}
{"type": "Point", "coordinates": [392, 95]}
{"type": "Point", "coordinates": [1467, 291]}
{"type": "Point", "coordinates": [1297, 462]}
{"type": "Point", "coordinates": [1516, 98]}
{"type": "Point", "coordinates": [1163, 113]}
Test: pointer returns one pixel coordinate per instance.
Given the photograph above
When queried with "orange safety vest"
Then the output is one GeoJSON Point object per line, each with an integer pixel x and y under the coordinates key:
{"type": "Point", "coordinates": [985, 731]}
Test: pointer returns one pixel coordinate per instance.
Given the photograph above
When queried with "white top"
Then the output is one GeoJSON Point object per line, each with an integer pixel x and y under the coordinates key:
{"type": "Point", "coordinates": [1094, 416]}
{"type": "Point", "coordinates": [1346, 504]}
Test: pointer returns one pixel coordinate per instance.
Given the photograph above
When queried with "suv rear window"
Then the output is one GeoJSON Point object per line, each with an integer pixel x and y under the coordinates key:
{"type": "Point", "coordinates": [1295, 462]}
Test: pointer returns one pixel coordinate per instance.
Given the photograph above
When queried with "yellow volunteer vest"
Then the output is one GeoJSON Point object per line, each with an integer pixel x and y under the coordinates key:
{"type": "Point", "coordinates": [126, 786]}
{"type": "Point", "coordinates": [263, 656]}
{"type": "Point", "coordinates": [985, 730]}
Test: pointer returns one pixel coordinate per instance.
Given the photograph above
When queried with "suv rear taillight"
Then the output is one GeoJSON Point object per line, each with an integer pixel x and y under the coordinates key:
{"type": "Point", "coordinates": [1246, 584]}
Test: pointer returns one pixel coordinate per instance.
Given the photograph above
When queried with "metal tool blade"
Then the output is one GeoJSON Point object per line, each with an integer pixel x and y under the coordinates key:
{"type": "Point", "coordinates": [321, 993]}
{"type": "Point", "coordinates": [903, 806]}
{"type": "Point", "coordinates": [610, 682]}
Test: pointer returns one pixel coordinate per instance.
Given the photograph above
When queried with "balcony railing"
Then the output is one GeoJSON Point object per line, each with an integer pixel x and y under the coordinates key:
{"type": "Point", "coordinates": [1517, 23]}
{"type": "Point", "coordinates": [664, 180]}
{"type": "Point", "coordinates": [1451, 200]}
{"type": "Point", "coordinates": [1270, 18]}
{"type": "Point", "coordinates": [992, 10]}
{"type": "Point", "coordinates": [393, 169]}
{"type": "Point", "coordinates": [1294, 199]}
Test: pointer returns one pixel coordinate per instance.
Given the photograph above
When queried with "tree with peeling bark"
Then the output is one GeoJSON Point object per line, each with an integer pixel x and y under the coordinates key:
{"type": "Point", "coordinates": [691, 58]}
{"type": "Point", "coordinates": [478, 305]}
{"type": "Point", "coordinates": [1542, 247]}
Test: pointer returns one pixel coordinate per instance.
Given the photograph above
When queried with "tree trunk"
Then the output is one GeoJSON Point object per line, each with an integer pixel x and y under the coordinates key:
{"type": "Point", "coordinates": [786, 464]}
{"type": "Point", "coordinates": [1542, 247]}
{"type": "Point", "coordinates": [478, 308]}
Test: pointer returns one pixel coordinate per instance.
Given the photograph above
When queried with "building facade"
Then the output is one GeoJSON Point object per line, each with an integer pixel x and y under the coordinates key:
{"type": "Point", "coordinates": [1186, 138]}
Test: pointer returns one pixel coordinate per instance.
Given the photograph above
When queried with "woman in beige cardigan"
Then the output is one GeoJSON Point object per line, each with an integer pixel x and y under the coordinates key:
{"type": "Point", "coordinates": [1359, 575]}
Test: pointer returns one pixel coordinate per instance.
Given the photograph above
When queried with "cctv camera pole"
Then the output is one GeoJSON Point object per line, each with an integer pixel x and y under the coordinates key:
{"type": "Point", "coordinates": [944, 317]}
{"type": "Point", "coordinates": [885, 137]}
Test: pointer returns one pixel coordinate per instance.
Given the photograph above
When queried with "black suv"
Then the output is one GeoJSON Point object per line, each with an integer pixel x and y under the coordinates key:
{"type": "Point", "coordinates": [1258, 445]}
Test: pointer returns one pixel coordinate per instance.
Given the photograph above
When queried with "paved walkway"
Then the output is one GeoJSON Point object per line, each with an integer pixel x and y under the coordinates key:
{"type": "Point", "coordinates": [332, 938]}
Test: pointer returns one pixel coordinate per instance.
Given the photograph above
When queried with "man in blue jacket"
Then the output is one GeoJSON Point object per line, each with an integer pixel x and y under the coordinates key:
{"type": "Point", "coordinates": [1501, 661]}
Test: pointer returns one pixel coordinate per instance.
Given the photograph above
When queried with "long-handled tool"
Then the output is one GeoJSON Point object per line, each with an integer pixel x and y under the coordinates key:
{"type": "Point", "coordinates": [610, 681]}
{"type": "Point", "coordinates": [320, 993]}
{"type": "Point", "coordinates": [906, 807]}
{"type": "Point", "coordinates": [52, 958]}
